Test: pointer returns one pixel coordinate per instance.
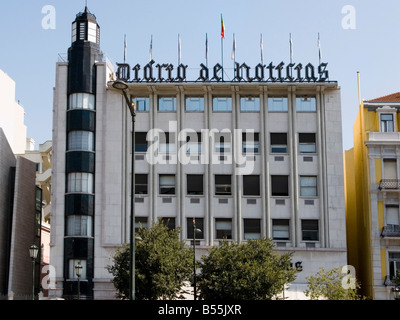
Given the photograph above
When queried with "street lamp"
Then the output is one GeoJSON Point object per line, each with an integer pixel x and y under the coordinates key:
{"type": "Point", "coordinates": [33, 252]}
{"type": "Point", "coordinates": [194, 257]}
{"type": "Point", "coordinates": [121, 85]}
{"type": "Point", "coordinates": [78, 271]}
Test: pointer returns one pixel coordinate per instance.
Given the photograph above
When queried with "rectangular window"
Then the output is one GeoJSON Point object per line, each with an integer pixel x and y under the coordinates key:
{"type": "Point", "coordinates": [280, 229]}
{"type": "Point", "coordinates": [223, 185]}
{"type": "Point", "coordinates": [193, 143]}
{"type": "Point", "coordinates": [222, 104]}
{"type": "Point", "coordinates": [195, 104]}
{"type": "Point", "coordinates": [167, 184]}
{"type": "Point", "coordinates": [80, 182]}
{"type": "Point", "coordinates": [81, 140]}
{"type": "Point", "coordinates": [387, 123]}
{"type": "Point", "coordinates": [251, 185]}
{"type": "Point", "coordinates": [309, 230]}
{"type": "Point", "coordinates": [141, 184]}
{"type": "Point", "coordinates": [167, 104]}
{"type": "Point", "coordinates": [141, 142]}
{"type": "Point", "coordinates": [308, 186]}
{"type": "Point", "coordinates": [390, 168]}
{"type": "Point", "coordinates": [280, 186]}
{"type": "Point", "coordinates": [223, 228]}
{"type": "Point", "coordinates": [167, 142]}
{"type": "Point", "coordinates": [92, 32]}
{"type": "Point", "coordinates": [199, 228]}
{"type": "Point", "coordinates": [250, 142]}
{"type": "Point", "coordinates": [252, 229]}
{"type": "Point", "coordinates": [249, 104]}
{"type": "Point", "coordinates": [194, 184]}
{"type": "Point", "coordinates": [81, 101]}
{"type": "Point", "coordinates": [80, 226]}
{"type": "Point", "coordinates": [307, 143]}
{"type": "Point", "coordinates": [140, 222]}
{"type": "Point", "coordinates": [169, 222]}
{"type": "Point", "coordinates": [279, 142]}
{"type": "Point", "coordinates": [142, 103]}
{"type": "Point", "coordinates": [306, 104]}
{"type": "Point", "coordinates": [394, 264]}
{"type": "Point", "coordinates": [392, 215]}
{"type": "Point", "coordinates": [72, 271]}
{"type": "Point", "coordinates": [222, 142]}
{"type": "Point", "coordinates": [73, 32]}
{"type": "Point", "coordinates": [277, 104]}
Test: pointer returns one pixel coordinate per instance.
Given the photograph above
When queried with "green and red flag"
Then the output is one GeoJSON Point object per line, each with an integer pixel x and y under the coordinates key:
{"type": "Point", "coordinates": [222, 28]}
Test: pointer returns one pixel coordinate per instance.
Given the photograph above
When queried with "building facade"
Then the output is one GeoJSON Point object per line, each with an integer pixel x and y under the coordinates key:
{"type": "Point", "coordinates": [372, 195]}
{"type": "Point", "coordinates": [245, 159]}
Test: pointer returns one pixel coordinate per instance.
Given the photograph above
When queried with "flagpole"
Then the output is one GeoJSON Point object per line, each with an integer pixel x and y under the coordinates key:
{"type": "Point", "coordinates": [222, 45]}
{"type": "Point", "coordinates": [206, 51]}
{"type": "Point", "coordinates": [262, 49]}
{"type": "Point", "coordinates": [319, 50]}
{"type": "Point", "coordinates": [151, 48]}
{"type": "Point", "coordinates": [179, 49]}
{"type": "Point", "coordinates": [125, 49]}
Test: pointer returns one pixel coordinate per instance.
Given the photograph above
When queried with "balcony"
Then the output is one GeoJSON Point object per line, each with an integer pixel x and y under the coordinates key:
{"type": "Point", "coordinates": [391, 230]}
{"type": "Point", "coordinates": [384, 136]}
{"type": "Point", "coordinates": [389, 184]}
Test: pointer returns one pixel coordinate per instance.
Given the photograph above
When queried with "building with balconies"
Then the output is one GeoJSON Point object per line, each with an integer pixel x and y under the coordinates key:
{"type": "Point", "coordinates": [372, 184]}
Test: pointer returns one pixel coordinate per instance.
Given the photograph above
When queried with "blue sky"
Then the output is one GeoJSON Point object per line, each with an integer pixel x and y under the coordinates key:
{"type": "Point", "coordinates": [371, 45]}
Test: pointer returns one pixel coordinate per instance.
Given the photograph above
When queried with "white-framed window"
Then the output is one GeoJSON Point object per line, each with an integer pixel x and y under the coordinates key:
{"type": "Point", "coordinates": [307, 143]}
{"type": "Point", "coordinates": [392, 215]}
{"type": "Point", "coordinates": [81, 140]}
{"type": "Point", "coordinates": [167, 104]}
{"type": "Point", "coordinates": [80, 226]}
{"type": "Point", "coordinates": [81, 101]}
{"type": "Point", "coordinates": [306, 104]}
{"type": "Point", "coordinates": [222, 104]}
{"type": "Point", "coordinates": [279, 142]}
{"type": "Point", "coordinates": [390, 168]}
{"type": "Point", "coordinates": [167, 184]}
{"type": "Point", "coordinates": [194, 104]}
{"type": "Point", "coordinates": [249, 104]}
{"type": "Point", "coordinates": [308, 186]}
{"type": "Point", "coordinates": [72, 273]}
{"type": "Point", "coordinates": [310, 230]}
{"type": "Point", "coordinates": [142, 103]}
{"type": "Point", "coordinates": [387, 122]}
{"type": "Point", "coordinates": [394, 263]}
{"type": "Point", "coordinates": [280, 229]}
{"type": "Point", "coordinates": [223, 228]}
{"type": "Point", "coordinates": [252, 229]}
{"type": "Point", "coordinates": [80, 182]}
{"type": "Point", "coordinates": [277, 104]}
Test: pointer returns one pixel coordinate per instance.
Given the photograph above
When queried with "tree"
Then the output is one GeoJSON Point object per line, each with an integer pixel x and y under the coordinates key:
{"type": "Point", "coordinates": [163, 264]}
{"type": "Point", "coordinates": [332, 284]}
{"type": "Point", "coordinates": [249, 271]}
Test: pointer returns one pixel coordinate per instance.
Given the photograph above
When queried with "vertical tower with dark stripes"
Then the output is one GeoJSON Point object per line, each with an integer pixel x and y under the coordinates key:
{"type": "Point", "coordinates": [80, 154]}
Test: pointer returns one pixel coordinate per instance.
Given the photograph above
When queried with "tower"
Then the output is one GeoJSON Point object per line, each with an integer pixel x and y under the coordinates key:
{"type": "Point", "coordinates": [80, 154]}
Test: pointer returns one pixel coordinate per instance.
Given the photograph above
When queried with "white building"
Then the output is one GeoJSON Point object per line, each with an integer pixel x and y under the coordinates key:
{"type": "Point", "coordinates": [291, 190]}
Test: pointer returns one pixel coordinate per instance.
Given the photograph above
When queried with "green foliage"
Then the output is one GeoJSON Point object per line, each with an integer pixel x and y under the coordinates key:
{"type": "Point", "coordinates": [329, 285]}
{"type": "Point", "coordinates": [163, 263]}
{"type": "Point", "coordinates": [249, 271]}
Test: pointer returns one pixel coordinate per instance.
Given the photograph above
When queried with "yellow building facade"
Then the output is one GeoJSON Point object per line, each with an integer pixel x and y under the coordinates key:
{"type": "Point", "coordinates": [372, 196]}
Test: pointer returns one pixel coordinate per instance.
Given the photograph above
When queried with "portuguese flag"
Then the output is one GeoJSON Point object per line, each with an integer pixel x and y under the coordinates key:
{"type": "Point", "coordinates": [222, 28]}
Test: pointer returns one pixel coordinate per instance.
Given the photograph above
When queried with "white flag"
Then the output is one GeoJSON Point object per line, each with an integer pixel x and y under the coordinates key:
{"type": "Point", "coordinates": [234, 48]}
{"type": "Point", "coordinates": [291, 48]}
{"type": "Point", "coordinates": [262, 49]}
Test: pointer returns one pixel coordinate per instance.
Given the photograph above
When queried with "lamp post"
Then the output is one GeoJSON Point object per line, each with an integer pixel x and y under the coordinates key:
{"type": "Point", "coordinates": [33, 252]}
{"type": "Point", "coordinates": [194, 258]}
{"type": "Point", "coordinates": [78, 271]}
{"type": "Point", "coordinates": [121, 85]}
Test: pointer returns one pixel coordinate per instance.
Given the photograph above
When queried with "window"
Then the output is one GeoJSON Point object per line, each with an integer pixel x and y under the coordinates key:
{"type": "Point", "coordinates": [222, 104]}
{"type": "Point", "coordinates": [223, 185]}
{"type": "Point", "coordinates": [80, 182]}
{"type": "Point", "coordinates": [309, 230]}
{"type": "Point", "coordinates": [167, 142]}
{"type": "Point", "coordinates": [308, 186]}
{"type": "Point", "coordinates": [306, 104]}
{"type": "Point", "coordinates": [140, 222]}
{"type": "Point", "coordinates": [167, 184]}
{"type": "Point", "coordinates": [194, 184]}
{"type": "Point", "coordinates": [140, 183]}
{"type": "Point", "coordinates": [142, 103]}
{"type": "Point", "coordinates": [193, 142]}
{"type": "Point", "coordinates": [250, 142]}
{"type": "Point", "coordinates": [278, 142]}
{"type": "Point", "coordinates": [249, 104]}
{"type": "Point", "coordinates": [92, 32]}
{"type": "Point", "coordinates": [167, 104]}
{"type": "Point", "coordinates": [280, 229]}
{"type": "Point", "coordinates": [222, 142]}
{"type": "Point", "coordinates": [80, 226]}
{"type": "Point", "coordinates": [81, 140]}
{"type": "Point", "coordinates": [199, 225]}
{"type": "Point", "coordinates": [73, 32]}
{"type": "Point", "coordinates": [279, 186]}
{"type": "Point", "coordinates": [141, 142]}
{"type": "Point", "coordinates": [277, 104]}
{"type": "Point", "coordinates": [387, 123]}
{"type": "Point", "coordinates": [223, 228]}
{"type": "Point", "coordinates": [252, 229]}
{"type": "Point", "coordinates": [194, 104]}
{"type": "Point", "coordinates": [392, 215]}
{"type": "Point", "coordinates": [390, 168]}
{"type": "Point", "coordinates": [394, 263]}
{"type": "Point", "coordinates": [72, 272]}
{"type": "Point", "coordinates": [307, 143]}
{"type": "Point", "coordinates": [169, 223]}
{"type": "Point", "coordinates": [251, 186]}
{"type": "Point", "coordinates": [81, 101]}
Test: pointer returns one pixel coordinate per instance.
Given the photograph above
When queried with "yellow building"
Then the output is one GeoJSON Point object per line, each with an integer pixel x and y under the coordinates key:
{"type": "Point", "coordinates": [372, 195]}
